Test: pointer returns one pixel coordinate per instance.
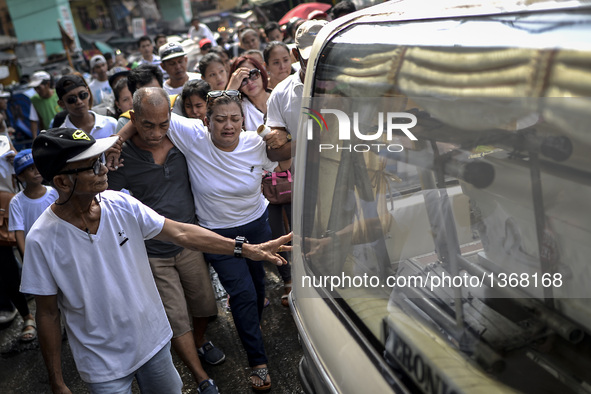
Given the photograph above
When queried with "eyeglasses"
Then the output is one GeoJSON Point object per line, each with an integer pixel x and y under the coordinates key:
{"type": "Point", "coordinates": [83, 95]}
{"type": "Point", "coordinates": [96, 167]}
{"type": "Point", "coordinates": [253, 75]}
{"type": "Point", "coordinates": [219, 93]}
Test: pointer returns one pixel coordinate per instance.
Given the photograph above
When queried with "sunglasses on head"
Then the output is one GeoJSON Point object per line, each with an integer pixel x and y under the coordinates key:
{"type": "Point", "coordinates": [83, 95]}
{"type": "Point", "coordinates": [219, 93]}
{"type": "Point", "coordinates": [253, 75]}
{"type": "Point", "coordinates": [95, 167]}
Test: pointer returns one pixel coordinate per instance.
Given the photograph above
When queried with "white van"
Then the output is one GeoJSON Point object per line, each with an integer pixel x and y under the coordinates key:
{"type": "Point", "coordinates": [442, 200]}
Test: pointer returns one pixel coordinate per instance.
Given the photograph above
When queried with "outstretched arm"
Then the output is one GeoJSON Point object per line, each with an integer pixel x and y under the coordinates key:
{"type": "Point", "coordinates": [194, 237]}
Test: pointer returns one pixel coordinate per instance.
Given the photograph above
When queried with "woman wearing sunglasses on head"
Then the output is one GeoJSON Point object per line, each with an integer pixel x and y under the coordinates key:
{"type": "Point", "coordinates": [228, 201]}
{"type": "Point", "coordinates": [74, 96]}
{"type": "Point", "coordinates": [250, 78]}
{"type": "Point", "coordinates": [225, 165]}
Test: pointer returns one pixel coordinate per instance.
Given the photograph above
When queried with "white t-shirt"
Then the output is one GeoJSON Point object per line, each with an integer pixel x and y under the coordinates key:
{"type": "Point", "coordinates": [103, 127]}
{"type": "Point", "coordinates": [170, 90]}
{"type": "Point", "coordinates": [202, 32]}
{"type": "Point", "coordinates": [155, 60]}
{"type": "Point", "coordinates": [226, 185]}
{"type": "Point", "coordinates": [24, 211]}
{"type": "Point", "coordinates": [284, 104]}
{"type": "Point", "coordinates": [101, 91]}
{"type": "Point", "coordinates": [33, 115]}
{"type": "Point", "coordinates": [106, 292]}
{"type": "Point", "coordinates": [253, 118]}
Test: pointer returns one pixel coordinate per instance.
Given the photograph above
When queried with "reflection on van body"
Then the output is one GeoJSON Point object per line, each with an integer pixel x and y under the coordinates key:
{"type": "Point", "coordinates": [460, 261]}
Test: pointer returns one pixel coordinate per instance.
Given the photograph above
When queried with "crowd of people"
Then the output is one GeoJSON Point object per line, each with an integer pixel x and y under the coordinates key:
{"type": "Point", "coordinates": [137, 182]}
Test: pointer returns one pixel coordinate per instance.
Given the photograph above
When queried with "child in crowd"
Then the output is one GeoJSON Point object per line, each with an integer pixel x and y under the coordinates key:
{"type": "Point", "coordinates": [24, 209]}
{"type": "Point", "coordinates": [28, 204]}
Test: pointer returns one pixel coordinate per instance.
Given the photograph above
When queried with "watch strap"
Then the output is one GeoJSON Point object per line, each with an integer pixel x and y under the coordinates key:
{"type": "Point", "coordinates": [238, 242]}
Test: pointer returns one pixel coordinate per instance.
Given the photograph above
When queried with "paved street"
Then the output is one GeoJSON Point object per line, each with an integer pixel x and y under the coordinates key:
{"type": "Point", "coordinates": [22, 370]}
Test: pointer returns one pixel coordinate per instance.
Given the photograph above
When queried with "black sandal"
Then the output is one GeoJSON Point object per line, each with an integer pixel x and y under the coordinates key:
{"type": "Point", "coordinates": [262, 374]}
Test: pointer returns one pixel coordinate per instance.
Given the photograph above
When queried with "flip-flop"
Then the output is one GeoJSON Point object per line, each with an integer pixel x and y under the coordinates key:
{"type": "Point", "coordinates": [32, 331]}
{"type": "Point", "coordinates": [262, 374]}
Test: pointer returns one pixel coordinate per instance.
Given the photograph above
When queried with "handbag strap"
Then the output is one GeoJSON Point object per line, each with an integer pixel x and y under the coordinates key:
{"type": "Point", "coordinates": [275, 175]}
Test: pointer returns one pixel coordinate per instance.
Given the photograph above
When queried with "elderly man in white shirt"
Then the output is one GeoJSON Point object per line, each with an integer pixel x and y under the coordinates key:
{"type": "Point", "coordinates": [284, 104]}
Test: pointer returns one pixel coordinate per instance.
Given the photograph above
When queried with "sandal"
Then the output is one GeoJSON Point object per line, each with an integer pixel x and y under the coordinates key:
{"type": "Point", "coordinates": [285, 300]}
{"type": "Point", "coordinates": [30, 333]}
{"type": "Point", "coordinates": [285, 297]}
{"type": "Point", "coordinates": [261, 373]}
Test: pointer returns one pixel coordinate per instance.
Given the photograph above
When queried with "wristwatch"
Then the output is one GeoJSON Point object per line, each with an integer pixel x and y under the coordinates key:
{"type": "Point", "coordinates": [239, 241]}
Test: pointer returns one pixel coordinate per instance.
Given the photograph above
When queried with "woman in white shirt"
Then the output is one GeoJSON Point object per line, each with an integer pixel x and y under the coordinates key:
{"type": "Point", "coordinates": [225, 165]}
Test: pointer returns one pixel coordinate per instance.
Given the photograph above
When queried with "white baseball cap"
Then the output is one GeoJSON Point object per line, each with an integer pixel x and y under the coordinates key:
{"type": "Point", "coordinates": [38, 78]}
{"type": "Point", "coordinates": [96, 60]}
{"type": "Point", "coordinates": [171, 50]}
{"type": "Point", "coordinates": [306, 34]}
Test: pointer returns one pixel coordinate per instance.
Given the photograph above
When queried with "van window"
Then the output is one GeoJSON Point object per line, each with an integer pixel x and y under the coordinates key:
{"type": "Point", "coordinates": [460, 255]}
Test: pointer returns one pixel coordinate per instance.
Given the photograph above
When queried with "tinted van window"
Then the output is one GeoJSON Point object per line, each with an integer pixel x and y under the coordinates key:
{"type": "Point", "coordinates": [446, 197]}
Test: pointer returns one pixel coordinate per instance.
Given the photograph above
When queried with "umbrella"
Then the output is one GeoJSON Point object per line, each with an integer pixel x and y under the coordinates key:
{"type": "Point", "coordinates": [302, 11]}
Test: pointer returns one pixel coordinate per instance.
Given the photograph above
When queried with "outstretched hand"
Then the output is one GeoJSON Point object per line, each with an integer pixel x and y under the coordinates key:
{"type": "Point", "coordinates": [317, 246]}
{"type": "Point", "coordinates": [269, 251]}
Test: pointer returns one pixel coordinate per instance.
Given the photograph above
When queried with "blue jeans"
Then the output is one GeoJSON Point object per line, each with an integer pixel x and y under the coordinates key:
{"type": "Point", "coordinates": [244, 280]}
{"type": "Point", "coordinates": [157, 376]}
